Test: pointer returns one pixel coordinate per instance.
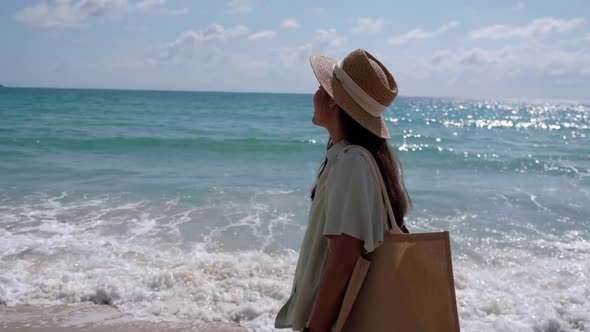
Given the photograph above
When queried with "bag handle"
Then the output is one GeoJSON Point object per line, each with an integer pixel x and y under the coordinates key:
{"type": "Point", "coordinates": [377, 173]}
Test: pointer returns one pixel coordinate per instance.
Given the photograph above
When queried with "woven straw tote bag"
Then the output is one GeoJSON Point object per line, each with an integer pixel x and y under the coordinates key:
{"type": "Point", "coordinates": [407, 284]}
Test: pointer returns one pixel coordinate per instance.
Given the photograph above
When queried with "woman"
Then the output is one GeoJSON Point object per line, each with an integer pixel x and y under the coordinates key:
{"type": "Point", "coordinates": [347, 211]}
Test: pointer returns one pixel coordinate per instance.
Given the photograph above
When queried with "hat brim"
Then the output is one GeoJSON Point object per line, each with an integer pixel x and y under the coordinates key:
{"type": "Point", "coordinates": [322, 67]}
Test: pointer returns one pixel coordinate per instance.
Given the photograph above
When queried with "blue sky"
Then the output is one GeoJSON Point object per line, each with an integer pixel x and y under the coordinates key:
{"type": "Point", "coordinates": [497, 49]}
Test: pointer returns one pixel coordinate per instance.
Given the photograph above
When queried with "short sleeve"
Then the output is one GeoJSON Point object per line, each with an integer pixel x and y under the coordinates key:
{"type": "Point", "coordinates": [354, 205]}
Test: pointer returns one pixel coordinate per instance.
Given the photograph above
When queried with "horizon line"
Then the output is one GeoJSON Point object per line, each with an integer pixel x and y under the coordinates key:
{"type": "Point", "coordinates": [286, 93]}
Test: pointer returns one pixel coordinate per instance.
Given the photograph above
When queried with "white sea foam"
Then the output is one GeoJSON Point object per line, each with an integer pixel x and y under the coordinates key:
{"type": "Point", "coordinates": [125, 255]}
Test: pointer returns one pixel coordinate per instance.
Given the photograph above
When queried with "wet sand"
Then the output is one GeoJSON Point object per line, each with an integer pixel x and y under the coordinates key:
{"type": "Point", "coordinates": [93, 318]}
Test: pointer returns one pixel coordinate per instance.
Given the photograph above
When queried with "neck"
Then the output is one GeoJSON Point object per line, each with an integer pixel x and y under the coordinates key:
{"type": "Point", "coordinates": [336, 134]}
{"type": "Point", "coordinates": [336, 139]}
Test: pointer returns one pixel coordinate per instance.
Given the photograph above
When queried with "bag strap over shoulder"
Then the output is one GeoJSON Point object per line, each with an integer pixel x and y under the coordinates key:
{"type": "Point", "coordinates": [393, 227]}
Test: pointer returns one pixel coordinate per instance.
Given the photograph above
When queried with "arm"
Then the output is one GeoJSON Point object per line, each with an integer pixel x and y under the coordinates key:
{"type": "Point", "coordinates": [353, 206]}
{"type": "Point", "coordinates": [344, 252]}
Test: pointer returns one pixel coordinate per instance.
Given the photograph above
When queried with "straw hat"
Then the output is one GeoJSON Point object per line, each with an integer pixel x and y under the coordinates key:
{"type": "Point", "coordinates": [360, 85]}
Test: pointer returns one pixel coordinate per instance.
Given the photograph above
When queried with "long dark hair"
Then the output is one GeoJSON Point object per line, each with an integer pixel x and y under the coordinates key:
{"type": "Point", "coordinates": [386, 160]}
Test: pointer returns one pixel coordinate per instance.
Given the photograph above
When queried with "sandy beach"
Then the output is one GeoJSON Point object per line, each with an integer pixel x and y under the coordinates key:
{"type": "Point", "coordinates": [92, 318]}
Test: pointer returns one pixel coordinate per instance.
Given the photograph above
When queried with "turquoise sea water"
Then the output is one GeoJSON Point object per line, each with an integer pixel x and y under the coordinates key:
{"type": "Point", "coordinates": [192, 205]}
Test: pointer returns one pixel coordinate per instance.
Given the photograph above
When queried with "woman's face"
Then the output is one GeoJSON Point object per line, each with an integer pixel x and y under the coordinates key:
{"type": "Point", "coordinates": [325, 111]}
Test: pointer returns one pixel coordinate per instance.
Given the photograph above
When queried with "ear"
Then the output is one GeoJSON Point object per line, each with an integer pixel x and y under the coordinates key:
{"type": "Point", "coordinates": [333, 105]}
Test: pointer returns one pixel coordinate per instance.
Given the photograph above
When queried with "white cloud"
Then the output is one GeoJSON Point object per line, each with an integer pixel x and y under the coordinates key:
{"type": "Point", "coordinates": [148, 4]}
{"type": "Point", "coordinates": [439, 56]}
{"type": "Point", "coordinates": [193, 44]}
{"type": "Point", "coordinates": [478, 56]}
{"type": "Point", "coordinates": [420, 34]}
{"type": "Point", "coordinates": [159, 7]}
{"type": "Point", "coordinates": [414, 35]}
{"type": "Point", "coordinates": [289, 23]}
{"type": "Point", "coordinates": [329, 37]}
{"type": "Point", "coordinates": [71, 13]}
{"type": "Point", "coordinates": [66, 13]}
{"type": "Point", "coordinates": [267, 34]}
{"type": "Point", "coordinates": [219, 32]}
{"type": "Point", "coordinates": [369, 25]}
{"type": "Point", "coordinates": [447, 26]}
{"type": "Point", "coordinates": [538, 27]}
{"type": "Point", "coordinates": [239, 7]}
{"type": "Point", "coordinates": [295, 57]}
{"type": "Point", "coordinates": [523, 69]}
{"type": "Point", "coordinates": [520, 60]}
{"type": "Point", "coordinates": [519, 5]}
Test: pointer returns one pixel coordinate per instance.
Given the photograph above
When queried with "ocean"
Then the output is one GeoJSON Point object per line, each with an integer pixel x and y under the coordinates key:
{"type": "Point", "coordinates": [182, 206]}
